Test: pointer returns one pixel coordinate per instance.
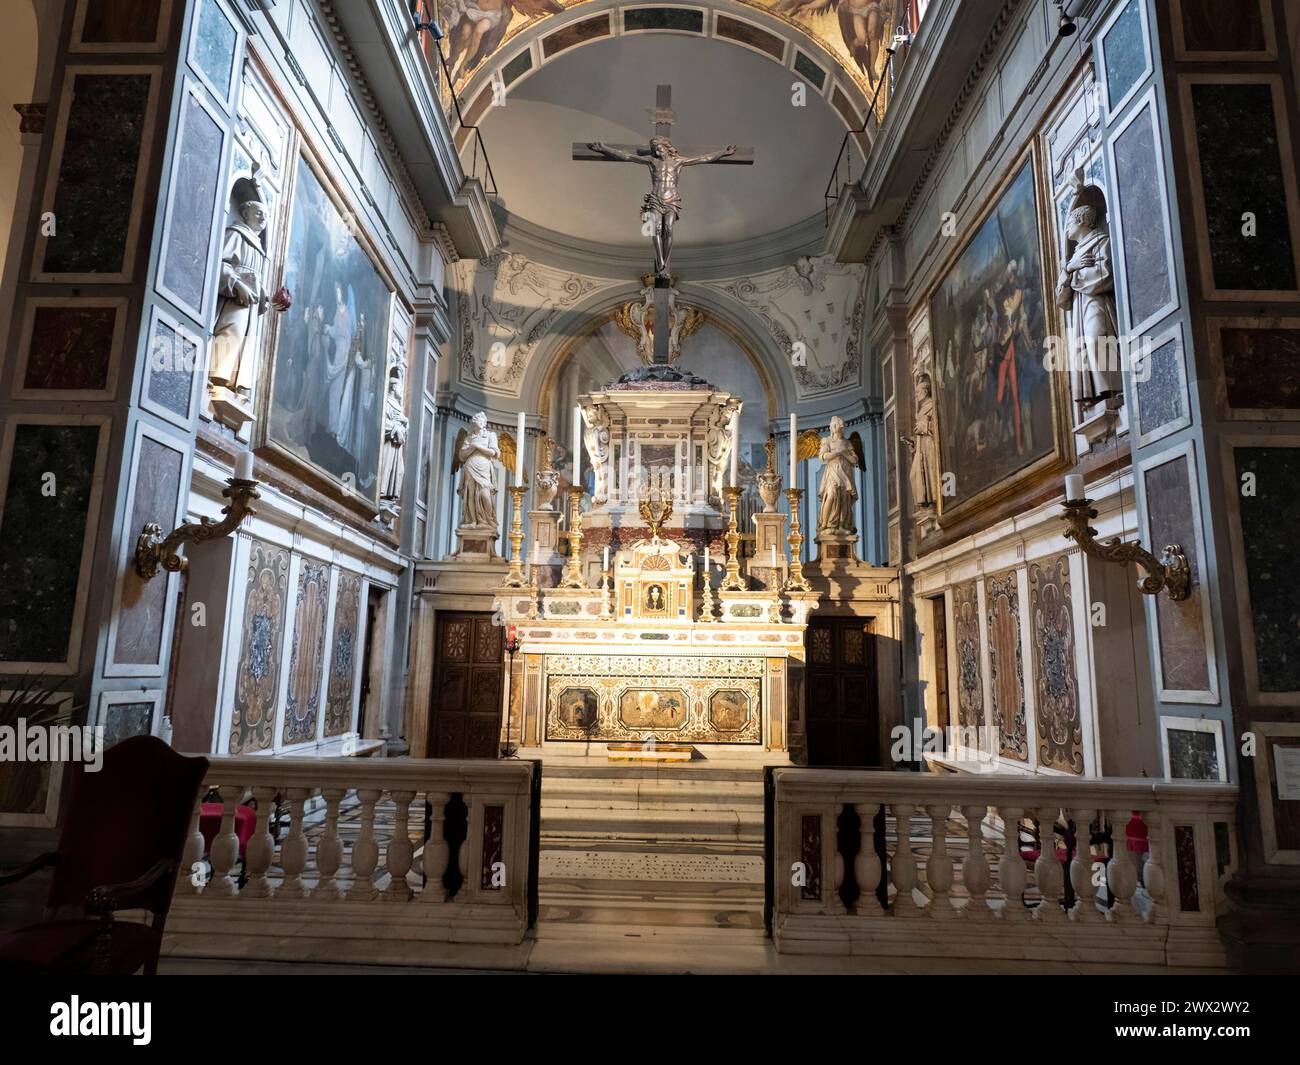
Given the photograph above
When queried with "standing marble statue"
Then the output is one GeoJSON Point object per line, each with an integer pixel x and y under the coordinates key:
{"type": "Point", "coordinates": [476, 454]}
{"type": "Point", "coordinates": [393, 468]}
{"type": "Point", "coordinates": [242, 295]}
{"type": "Point", "coordinates": [717, 446]}
{"type": "Point", "coordinates": [1086, 290]}
{"type": "Point", "coordinates": [924, 447]}
{"type": "Point", "coordinates": [595, 435]}
{"type": "Point", "coordinates": [837, 493]}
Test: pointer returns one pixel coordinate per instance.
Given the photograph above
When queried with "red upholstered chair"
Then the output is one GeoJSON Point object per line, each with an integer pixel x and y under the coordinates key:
{"type": "Point", "coordinates": [120, 847]}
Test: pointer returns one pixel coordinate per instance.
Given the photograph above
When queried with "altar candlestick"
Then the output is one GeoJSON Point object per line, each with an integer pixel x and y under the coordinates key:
{"type": "Point", "coordinates": [794, 447]}
{"type": "Point", "coordinates": [735, 447]}
{"type": "Point", "coordinates": [519, 451]}
{"type": "Point", "coordinates": [605, 559]}
{"type": "Point", "coordinates": [774, 556]}
{"type": "Point", "coordinates": [577, 446]}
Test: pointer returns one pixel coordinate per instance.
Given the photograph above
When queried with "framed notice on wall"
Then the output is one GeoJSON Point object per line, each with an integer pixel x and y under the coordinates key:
{"type": "Point", "coordinates": [1277, 783]}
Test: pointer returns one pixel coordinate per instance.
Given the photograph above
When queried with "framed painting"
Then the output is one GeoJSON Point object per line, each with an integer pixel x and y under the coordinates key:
{"type": "Point", "coordinates": [325, 407]}
{"type": "Point", "coordinates": [1000, 409]}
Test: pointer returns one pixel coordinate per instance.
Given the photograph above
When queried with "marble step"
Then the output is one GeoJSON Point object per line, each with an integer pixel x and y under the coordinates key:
{"type": "Point", "coordinates": [657, 796]}
{"type": "Point", "coordinates": [693, 772]}
{"type": "Point", "coordinates": [662, 825]}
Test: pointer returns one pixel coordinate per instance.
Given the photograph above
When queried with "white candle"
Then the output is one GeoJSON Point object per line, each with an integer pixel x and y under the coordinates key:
{"type": "Point", "coordinates": [706, 560]}
{"type": "Point", "coordinates": [1073, 487]}
{"type": "Point", "coordinates": [735, 447]}
{"type": "Point", "coordinates": [774, 556]}
{"type": "Point", "coordinates": [244, 466]}
{"type": "Point", "coordinates": [519, 451]}
{"type": "Point", "coordinates": [577, 446]}
{"type": "Point", "coordinates": [605, 562]}
{"type": "Point", "coordinates": [794, 447]}
{"type": "Point", "coordinates": [534, 552]}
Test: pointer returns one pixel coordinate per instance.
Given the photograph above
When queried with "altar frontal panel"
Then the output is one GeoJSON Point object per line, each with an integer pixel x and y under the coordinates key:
{"type": "Point", "coordinates": [673, 698]}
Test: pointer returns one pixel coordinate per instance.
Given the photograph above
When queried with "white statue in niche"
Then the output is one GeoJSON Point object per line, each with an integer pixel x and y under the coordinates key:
{"type": "Point", "coordinates": [595, 435]}
{"type": "Point", "coordinates": [393, 469]}
{"type": "Point", "coordinates": [717, 446]}
{"type": "Point", "coordinates": [924, 446]}
{"type": "Point", "coordinates": [837, 492]}
{"type": "Point", "coordinates": [243, 298]}
{"type": "Point", "coordinates": [1086, 291]}
{"type": "Point", "coordinates": [475, 456]}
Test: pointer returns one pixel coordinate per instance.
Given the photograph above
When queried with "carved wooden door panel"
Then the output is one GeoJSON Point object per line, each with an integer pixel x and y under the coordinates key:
{"type": "Point", "coordinates": [842, 726]}
{"type": "Point", "coordinates": [467, 678]}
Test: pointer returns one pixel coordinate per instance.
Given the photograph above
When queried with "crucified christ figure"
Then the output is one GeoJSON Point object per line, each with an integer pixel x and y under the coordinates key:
{"type": "Point", "coordinates": [662, 204]}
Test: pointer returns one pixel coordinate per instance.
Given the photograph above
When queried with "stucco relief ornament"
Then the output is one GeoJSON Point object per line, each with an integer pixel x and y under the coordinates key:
{"type": "Point", "coordinates": [1085, 290]}
{"type": "Point", "coordinates": [242, 300]}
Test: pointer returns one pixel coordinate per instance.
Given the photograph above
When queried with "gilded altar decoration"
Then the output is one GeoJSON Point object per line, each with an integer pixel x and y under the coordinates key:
{"type": "Point", "coordinates": [636, 319]}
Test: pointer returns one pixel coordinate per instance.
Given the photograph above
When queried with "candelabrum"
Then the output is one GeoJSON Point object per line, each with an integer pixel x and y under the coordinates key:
{"type": "Point", "coordinates": [706, 599]}
{"type": "Point", "coordinates": [515, 578]}
{"type": "Point", "coordinates": [732, 581]}
{"type": "Point", "coordinates": [1168, 573]}
{"type": "Point", "coordinates": [607, 599]}
{"type": "Point", "coordinates": [796, 582]}
{"type": "Point", "coordinates": [573, 570]}
{"type": "Point", "coordinates": [153, 550]}
{"type": "Point", "coordinates": [532, 614]}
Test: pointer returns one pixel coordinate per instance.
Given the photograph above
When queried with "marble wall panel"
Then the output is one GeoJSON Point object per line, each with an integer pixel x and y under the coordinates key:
{"type": "Point", "coordinates": [1180, 625]}
{"type": "Point", "coordinates": [1270, 533]}
{"type": "Point", "coordinates": [1056, 682]}
{"type": "Point", "coordinates": [124, 720]}
{"type": "Point", "coordinates": [1241, 172]}
{"type": "Point", "coordinates": [143, 609]}
{"type": "Point", "coordinates": [1148, 285]}
{"type": "Point", "coordinates": [191, 214]}
{"type": "Point", "coordinates": [1006, 665]}
{"type": "Point", "coordinates": [95, 192]}
{"type": "Point", "coordinates": [1261, 367]}
{"type": "Point", "coordinates": [42, 530]}
{"type": "Point", "coordinates": [1162, 397]}
{"type": "Point", "coordinates": [1124, 52]}
{"type": "Point", "coordinates": [1213, 26]}
{"type": "Point", "coordinates": [215, 41]}
{"type": "Point", "coordinates": [344, 654]}
{"type": "Point", "coordinates": [121, 21]}
{"type": "Point", "coordinates": [71, 348]}
{"type": "Point", "coordinates": [257, 679]}
{"type": "Point", "coordinates": [173, 360]}
{"type": "Point", "coordinates": [966, 638]}
{"type": "Point", "coordinates": [302, 700]}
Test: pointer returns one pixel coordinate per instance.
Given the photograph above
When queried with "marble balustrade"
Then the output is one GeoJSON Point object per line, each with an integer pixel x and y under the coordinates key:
{"type": "Point", "coordinates": [355, 869]}
{"type": "Point", "coordinates": [1152, 907]}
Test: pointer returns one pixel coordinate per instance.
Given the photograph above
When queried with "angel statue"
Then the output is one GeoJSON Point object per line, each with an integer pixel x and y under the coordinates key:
{"type": "Point", "coordinates": [596, 436]}
{"type": "Point", "coordinates": [475, 28]}
{"type": "Point", "coordinates": [837, 492]}
{"type": "Point", "coordinates": [474, 455]}
{"type": "Point", "coordinates": [866, 26]}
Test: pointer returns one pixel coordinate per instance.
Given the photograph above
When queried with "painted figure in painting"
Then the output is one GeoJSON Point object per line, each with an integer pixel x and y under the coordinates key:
{"type": "Point", "coordinates": [924, 446]}
{"type": "Point", "coordinates": [1086, 291]}
{"type": "Point", "coordinates": [243, 298]}
{"type": "Point", "coordinates": [654, 598]}
{"type": "Point", "coordinates": [867, 27]}
{"type": "Point", "coordinates": [475, 457]}
{"type": "Point", "coordinates": [837, 492]}
{"type": "Point", "coordinates": [476, 27]}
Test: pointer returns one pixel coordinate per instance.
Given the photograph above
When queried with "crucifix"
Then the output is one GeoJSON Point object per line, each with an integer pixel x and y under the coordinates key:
{"type": "Point", "coordinates": [662, 205]}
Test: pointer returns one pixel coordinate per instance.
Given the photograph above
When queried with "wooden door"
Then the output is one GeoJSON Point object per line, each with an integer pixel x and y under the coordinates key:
{"type": "Point", "coordinates": [465, 716]}
{"type": "Point", "coordinates": [841, 714]}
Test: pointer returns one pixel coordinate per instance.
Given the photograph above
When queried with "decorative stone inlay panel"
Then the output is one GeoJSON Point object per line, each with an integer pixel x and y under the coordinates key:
{"type": "Point", "coordinates": [1056, 687]}
{"type": "Point", "coordinates": [970, 680]}
{"type": "Point", "coordinates": [1006, 665]}
{"type": "Point", "coordinates": [258, 677]}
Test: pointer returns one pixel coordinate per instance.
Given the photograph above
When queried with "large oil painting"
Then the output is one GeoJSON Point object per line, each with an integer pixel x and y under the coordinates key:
{"type": "Point", "coordinates": [327, 391]}
{"type": "Point", "coordinates": [998, 402]}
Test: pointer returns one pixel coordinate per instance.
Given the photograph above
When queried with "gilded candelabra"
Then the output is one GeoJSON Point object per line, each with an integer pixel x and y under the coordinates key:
{"type": "Point", "coordinates": [573, 569]}
{"type": "Point", "coordinates": [515, 578]}
{"type": "Point", "coordinates": [796, 582]}
{"type": "Point", "coordinates": [153, 550]}
{"type": "Point", "coordinates": [732, 581]}
{"type": "Point", "coordinates": [1168, 573]}
{"type": "Point", "coordinates": [607, 600]}
{"type": "Point", "coordinates": [706, 599]}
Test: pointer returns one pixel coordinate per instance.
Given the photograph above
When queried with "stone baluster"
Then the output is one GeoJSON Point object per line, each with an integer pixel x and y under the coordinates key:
{"type": "Point", "coordinates": [225, 847]}
{"type": "Point", "coordinates": [1085, 892]}
{"type": "Point", "coordinates": [835, 901]}
{"type": "Point", "coordinates": [975, 868]}
{"type": "Point", "coordinates": [902, 870]}
{"type": "Point", "coordinates": [192, 856]}
{"type": "Point", "coordinates": [293, 851]}
{"type": "Point", "coordinates": [398, 858]}
{"type": "Point", "coordinates": [1047, 870]}
{"type": "Point", "coordinates": [260, 849]}
{"type": "Point", "coordinates": [866, 866]}
{"type": "Point", "coordinates": [938, 869]}
{"type": "Point", "coordinates": [329, 849]}
{"type": "Point", "coordinates": [1011, 867]}
{"type": "Point", "coordinates": [1153, 873]}
{"type": "Point", "coordinates": [365, 851]}
{"type": "Point", "coordinates": [436, 848]}
{"type": "Point", "coordinates": [1121, 872]}
{"type": "Point", "coordinates": [469, 843]}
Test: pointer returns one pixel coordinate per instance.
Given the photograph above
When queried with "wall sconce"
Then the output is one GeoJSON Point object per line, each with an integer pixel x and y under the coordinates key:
{"type": "Point", "coordinates": [153, 550]}
{"type": "Point", "coordinates": [1169, 572]}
